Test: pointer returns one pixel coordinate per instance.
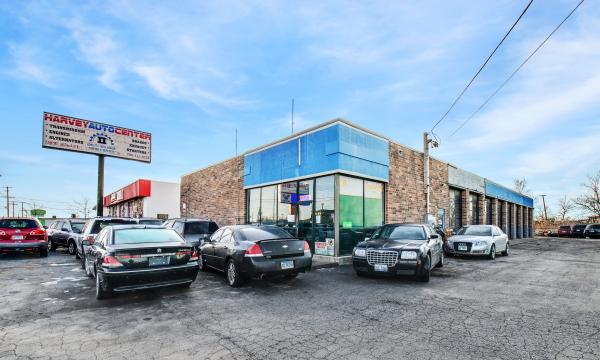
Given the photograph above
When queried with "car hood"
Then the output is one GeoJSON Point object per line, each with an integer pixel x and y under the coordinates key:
{"type": "Point", "coordinates": [391, 244]}
{"type": "Point", "coordinates": [469, 238]}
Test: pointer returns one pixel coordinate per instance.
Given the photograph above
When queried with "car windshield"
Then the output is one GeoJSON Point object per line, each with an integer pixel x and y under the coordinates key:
{"type": "Point", "coordinates": [475, 231]}
{"type": "Point", "coordinates": [150, 222]}
{"type": "Point", "coordinates": [401, 232]}
{"type": "Point", "coordinates": [139, 236]}
{"type": "Point", "coordinates": [101, 224]}
{"type": "Point", "coordinates": [262, 233]}
{"type": "Point", "coordinates": [196, 228]}
{"type": "Point", "coordinates": [77, 226]}
{"type": "Point", "coordinates": [18, 224]}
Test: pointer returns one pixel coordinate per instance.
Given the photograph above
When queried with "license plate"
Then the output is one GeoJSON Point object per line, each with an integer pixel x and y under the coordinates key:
{"type": "Point", "coordinates": [287, 264]}
{"type": "Point", "coordinates": [159, 260]}
{"type": "Point", "coordinates": [379, 267]}
{"type": "Point", "coordinates": [17, 237]}
{"type": "Point", "coordinates": [462, 247]}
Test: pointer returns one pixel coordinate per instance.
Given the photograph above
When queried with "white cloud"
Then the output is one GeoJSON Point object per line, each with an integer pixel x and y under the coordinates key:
{"type": "Point", "coordinates": [27, 65]}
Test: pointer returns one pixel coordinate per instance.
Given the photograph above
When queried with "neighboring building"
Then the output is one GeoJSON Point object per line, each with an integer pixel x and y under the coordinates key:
{"type": "Point", "coordinates": [338, 170]}
{"type": "Point", "coordinates": [144, 198]}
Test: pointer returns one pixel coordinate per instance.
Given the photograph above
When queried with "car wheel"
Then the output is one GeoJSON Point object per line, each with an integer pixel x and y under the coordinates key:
{"type": "Point", "coordinates": [51, 244]}
{"type": "Point", "coordinates": [100, 292]}
{"type": "Point", "coordinates": [43, 252]}
{"type": "Point", "coordinates": [234, 278]}
{"type": "Point", "coordinates": [506, 251]}
{"type": "Point", "coordinates": [425, 270]}
{"type": "Point", "coordinates": [441, 263]}
{"type": "Point", "coordinates": [492, 254]}
{"type": "Point", "coordinates": [83, 261]}
{"type": "Point", "coordinates": [71, 247]}
{"type": "Point", "coordinates": [202, 263]}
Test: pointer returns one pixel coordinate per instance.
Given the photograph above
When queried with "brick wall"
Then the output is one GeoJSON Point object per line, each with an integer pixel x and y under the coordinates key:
{"type": "Point", "coordinates": [129, 208]}
{"type": "Point", "coordinates": [216, 193]}
{"type": "Point", "coordinates": [405, 196]}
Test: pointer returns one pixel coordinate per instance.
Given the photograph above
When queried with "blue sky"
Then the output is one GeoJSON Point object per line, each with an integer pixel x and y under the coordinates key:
{"type": "Point", "coordinates": [193, 73]}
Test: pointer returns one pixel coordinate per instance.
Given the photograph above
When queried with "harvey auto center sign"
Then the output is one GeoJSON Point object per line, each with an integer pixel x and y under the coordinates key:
{"type": "Point", "coordinates": [73, 134]}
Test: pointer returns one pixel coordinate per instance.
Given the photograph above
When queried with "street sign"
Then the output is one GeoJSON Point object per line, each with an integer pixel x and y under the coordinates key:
{"type": "Point", "coordinates": [37, 212]}
{"type": "Point", "coordinates": [86, 136]}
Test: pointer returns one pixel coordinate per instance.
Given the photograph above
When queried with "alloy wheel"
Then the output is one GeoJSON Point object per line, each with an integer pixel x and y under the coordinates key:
{"type": "Point", "coordinates": [50, 244]}
{"type": "Point", "coordinates": [231, 273]}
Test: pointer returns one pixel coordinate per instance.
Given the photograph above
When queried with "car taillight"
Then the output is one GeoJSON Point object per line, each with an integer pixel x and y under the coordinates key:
{"type": "Point", "coordinates": [90, 238]}
{"type": "Point", "coordinates": [194, 256]}
{"type": "Point", "coordinates": [254, 250]}
{"type": "Point", "coordinates": [306, 247]}
{"type": "Point", "coordinates": [37, 232]}
{"type": "Point", "coordinates": [2, 233]}
{"type": "Point", "coordinates": [111, 262]}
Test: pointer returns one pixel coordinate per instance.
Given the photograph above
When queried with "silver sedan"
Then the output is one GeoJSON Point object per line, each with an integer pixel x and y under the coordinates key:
{"type": "Point", "coordinates": [479, 240]}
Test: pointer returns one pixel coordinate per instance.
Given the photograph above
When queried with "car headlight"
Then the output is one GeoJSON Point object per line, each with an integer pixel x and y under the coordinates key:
{"type": "Point", "coordinates": [358, 252]}
{"type": "Point", "coordinates": [480, 243]}
{"type": "Point", "coordinates": [408, 255]}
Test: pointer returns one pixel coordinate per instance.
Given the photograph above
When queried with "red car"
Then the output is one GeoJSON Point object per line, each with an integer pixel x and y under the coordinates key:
{"type": "Point", "coordinates": [564, 231]}
{"type": "Point", "coordinates": [23, 234]}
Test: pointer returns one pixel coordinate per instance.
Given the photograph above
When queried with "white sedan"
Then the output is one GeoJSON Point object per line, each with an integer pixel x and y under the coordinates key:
{"type": "Point", "coordinates": [479, 240]}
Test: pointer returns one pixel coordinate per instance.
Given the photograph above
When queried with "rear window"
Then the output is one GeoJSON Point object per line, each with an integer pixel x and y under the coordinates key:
{"type": "Point", "coordinates": [101, 224]}
{"type": "Point", "coordinates": [18, 224]}
{"type": "Point", "coordinates": [151, 222]}
{"type": "Point", "coordinates": [140, 236]}
{"type": "Point", "coordinates": [579, 227]}
{"type": "Point", "coordinates": [77, 226]}
{"type": "Point", "coordinates": [262, 233]}
{"type": "Point", "coordinates": [196, 227]}
{"type": "Point", "coordinates": [565, 227]}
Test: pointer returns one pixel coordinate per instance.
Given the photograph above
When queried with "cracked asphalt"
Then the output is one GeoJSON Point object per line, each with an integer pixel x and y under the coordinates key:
{"type": "Point", "coordinates": [542, 302]}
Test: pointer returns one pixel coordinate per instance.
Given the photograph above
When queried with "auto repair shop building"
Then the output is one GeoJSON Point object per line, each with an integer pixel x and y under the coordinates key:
{"type": "Point", "coordinates": [144, 198]}
{"type": "Point", "coordinates": [333, 184]}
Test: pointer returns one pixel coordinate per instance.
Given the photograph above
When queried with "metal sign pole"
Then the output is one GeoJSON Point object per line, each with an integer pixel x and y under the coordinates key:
{"type": "Point", "coordinates": [100, 198]}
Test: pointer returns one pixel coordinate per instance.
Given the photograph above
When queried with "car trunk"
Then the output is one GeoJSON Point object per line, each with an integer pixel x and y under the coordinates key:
{"type": "Point", "coordinates": [8, 235]}
{"type": "Point", "coordinates": [135, 256]}
{"type": "Point", "coordinates": [282, 248]}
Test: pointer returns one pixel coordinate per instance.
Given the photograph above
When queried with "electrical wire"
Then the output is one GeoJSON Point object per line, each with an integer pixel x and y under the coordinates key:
{"type": "Point", "coordinates": [481, 67]}
{"type": "Point", "coordinates": [515, 72]}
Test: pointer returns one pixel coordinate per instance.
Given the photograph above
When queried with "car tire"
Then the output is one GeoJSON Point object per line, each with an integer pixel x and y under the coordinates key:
{"type": "Point", "coordinates": [425, 270]}
{"type": "Point", "coordinates": [441, 262]}
{"type": "Point", "coordinates": [43, 252]}
{"type": "Point", "coordinates": [492, 254]}
{"type": "Point", "coordinates": [71, 247]}
{"type": "Point", "coordinates": [234, 278]}
{"type": "Point", "coordinates": [506, 251]}
{"type": "Point", "coordinates": [202, 263]}
{"type": "Point", "coordinates": [101, 294]}
{"type": "Point", "coordinates": [51, 244]}
{"type": "Point", "coordinates": [83, 262]}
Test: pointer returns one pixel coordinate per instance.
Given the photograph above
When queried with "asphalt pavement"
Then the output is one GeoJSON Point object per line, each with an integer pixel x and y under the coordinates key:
{"type": "Point", "coordinates": [542, 302]}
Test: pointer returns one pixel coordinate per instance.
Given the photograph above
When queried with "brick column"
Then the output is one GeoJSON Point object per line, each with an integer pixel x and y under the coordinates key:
{"type": "Point", "coordinates": [519, 212]}
{"type": "Point", "coordinates": [505, 216]}
{"type": "Point", "coordinates": [513, 216]}
{"type": "Point", "coordinates": [495, 206]}
{"type": "Point", "coordinates": [531, 222]}
{"type": "Point", "coordinates": [482, 210]}
{"type": "Point", "coordinates": [466, 211]}
{"type": "Point", "coordinates": [526, 222]}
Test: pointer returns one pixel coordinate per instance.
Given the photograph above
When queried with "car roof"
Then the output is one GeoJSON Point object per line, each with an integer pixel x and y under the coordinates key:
{"type": "Point", "coordinates": [190, 219]}
{"type": "Point", "coordinates": [135, 226]}
{"type": "Point", "coordinates": [18, 218]}
{"type": "Point", "coordinates": [405, 224]}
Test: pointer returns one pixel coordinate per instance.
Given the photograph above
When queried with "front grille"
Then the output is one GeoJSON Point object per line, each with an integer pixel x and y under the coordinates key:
{"type": "Point", "coordinates": [462, 243]}
{"type": "Point", "coordinates": [382, 257]}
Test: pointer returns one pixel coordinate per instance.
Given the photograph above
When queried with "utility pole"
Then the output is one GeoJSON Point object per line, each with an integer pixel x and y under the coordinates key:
{"type": "Point", "coordinates": [7, 201]}
{"type": "Point", "coordinates": [426, 143]}
{"type": "Point", "coordinates": [13, 207]}
{"type": "Point", "coordinates": [544, 205]}
{"type": "Point", "coordinates": [22, 210]}
{"type": "Point", "coordinates": [100, 195]}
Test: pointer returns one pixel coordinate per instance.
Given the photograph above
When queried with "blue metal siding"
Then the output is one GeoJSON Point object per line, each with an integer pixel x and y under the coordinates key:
{"type": "Point", "coordinates": [500, 192]}
{"type": "Point", "coordinates": [337, 147]}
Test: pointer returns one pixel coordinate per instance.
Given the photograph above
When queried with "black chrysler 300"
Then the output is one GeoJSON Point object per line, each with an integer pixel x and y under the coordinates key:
{"type": "Point", "coordinates": [400, 249]}
{"type": "Point", "coordinates": [248, 251]}
{"type": "Point", "coordinates": [133, 257]}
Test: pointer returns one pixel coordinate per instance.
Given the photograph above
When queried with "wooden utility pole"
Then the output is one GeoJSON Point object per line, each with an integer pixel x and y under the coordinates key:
{"type": "Point", "coordinates": [7, 201]}
{"type": "Point", "coordinates": [544, 205]}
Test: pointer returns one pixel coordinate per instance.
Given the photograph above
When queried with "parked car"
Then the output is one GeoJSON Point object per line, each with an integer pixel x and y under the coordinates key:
{"type": "Point", "coordinates": [64, 233]}
{"type": "Point", "coordinates": [479, 240]}
{"type": "Point", "coordinates": [564, 231]}
{"type": "Point", "coordinates": [194, 231]}
{"type": "Point", "coordinates": [577, 230]}
{"type": "Point", "coordinates": [23, 234]}
{"type": "Point", "coordinates": [253, 251]}
{"type": "Point", "coordinates": [149, 221]}
{"type": "Point", "coordinates": [91, 228]}
{"type": "Point", "coordinates": [135, 257]}
{"type": "Point", "coordinates": [592, 231]}
{"type": "Point", "coordinates": [400, 249]}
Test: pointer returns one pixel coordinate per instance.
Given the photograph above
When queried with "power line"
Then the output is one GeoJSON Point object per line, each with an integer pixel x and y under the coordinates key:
{"type": "Point", "coordinates": [481, 67]}
{"type": "Point", "coordinates": [516, 71]}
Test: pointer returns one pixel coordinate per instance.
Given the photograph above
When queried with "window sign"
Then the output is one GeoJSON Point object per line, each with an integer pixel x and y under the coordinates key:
{"type": "Point", "coordinates": [320, 247]}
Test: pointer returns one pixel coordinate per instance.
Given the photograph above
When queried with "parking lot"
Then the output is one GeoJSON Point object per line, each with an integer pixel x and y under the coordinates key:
{"type": "Point", "coordinates": [542, 302]}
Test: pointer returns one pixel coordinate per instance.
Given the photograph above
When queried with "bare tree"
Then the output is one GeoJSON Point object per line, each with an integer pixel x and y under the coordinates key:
{"type": "Point", "coordinates": [590, 200]}
{"type": "Point", "coordinates": [565, 205]}
{"type": "Point", "coordinates": [83, 207]}
{"type": "Point", "coordinates": [520, 186]}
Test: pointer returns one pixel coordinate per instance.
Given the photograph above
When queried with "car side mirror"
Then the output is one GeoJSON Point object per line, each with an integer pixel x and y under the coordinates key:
{"type": "Point", "coordinates": [434, 236]}
{"type": "Point", "coordinates": [85, 242]}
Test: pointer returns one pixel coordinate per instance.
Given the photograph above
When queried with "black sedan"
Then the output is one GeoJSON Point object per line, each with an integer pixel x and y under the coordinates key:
{"type": "Point", "coordinates": [592, 231]}
{"type": "Point", "coordinates": [134, 257]}
{"type": "Point", "coordinates": [248, 251]}
{"type": "Point", "coordinates": [400, 249]}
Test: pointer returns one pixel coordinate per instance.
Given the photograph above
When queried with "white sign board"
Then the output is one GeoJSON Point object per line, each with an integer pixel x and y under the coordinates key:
{"type": "Point", "coordinates": [73, 134]}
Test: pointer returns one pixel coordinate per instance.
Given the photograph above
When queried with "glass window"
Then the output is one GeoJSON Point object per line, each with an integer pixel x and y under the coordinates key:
{"type": "Point", "coordinates": [254, 206]}
{"type": "Point", "coordinates": [262, 233]}
{"type": "Point", "coordinates": [401, 232]}
{"type": "Point", "coordinates": [227, 236]}
{"type": "Point", "coordinates": [196, 227]}
{"type": "Point", "coordinates": [488, 211]}
{"type": "Point", "coordinates": [305, 209]}
{"type": "Point", "coordinates": [373, 204]}
{"type": "Point", "coordinates": [136, 236]}
{"type": "Point", "coordinates": [101, 224]}
{"type": "Point", "coordinates": [455, 210]}
{"type": "Point", "coordinates": [286, 210]}
{"type": "Point", "coordinates": [475, 231]}
{"type": "Point", "coordinates": [268, 205]}
{"type": "Point", "coordinates": [351, 213]}
{"type": "Point", "coordinates": [178, 226]}
{"type": "Point", "coordinates": [77, 227]}
{"type": "Point", "coordinates": [216, 236]}
{"type": "Point", "coordinates": [18, 224]}
{"type": "Point", "coordinates": [212, 227]}
{"type": "Point", "coordinates": [324, 216]}
{"type": "Point", "coordinates": [474, 208]}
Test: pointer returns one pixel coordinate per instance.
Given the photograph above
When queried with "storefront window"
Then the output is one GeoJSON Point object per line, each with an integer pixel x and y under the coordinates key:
{"type": "Point", "coordinates": [324, 234]}
{"type": "Point", "coordinates": [286, 211]}
{"type": "Point", "coordinates": [305, 207]}
{"type": "Point", "coordinates": [474, 208]}
{"type": "Point", "coordinates": [488, 211]}
{"type": "Point", "coordinates": [455, 210]}
{"type": "Point", "coordinates": [373, 206]}
{"type": "Point", "coordinates": [351, 213]}
{"type": "Point", "coordinates": [268, 205]}
{"type": "Point", "coordinates": [254, 206]}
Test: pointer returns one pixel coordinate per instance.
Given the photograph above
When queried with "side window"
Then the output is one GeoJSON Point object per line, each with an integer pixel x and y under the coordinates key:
{"type": "Point", "coordinates": [53, 226]}
{"type": "Point", "coordinates": [58, 225]}
{"type": "Point", "coordinates": [212, 227]}
{"type": "Point", "coordinates": [227, 236]}
{"type": "Point", "coordinates": [497, 231]}
{"type": "Point", "coordinates": [101, 240]}
{"type": "Point", "coordinates": [216, 236]}
{"type": "Point", "coordinates": [168, 224]}
{"type": "Point", "coordinates": [178, 226]}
